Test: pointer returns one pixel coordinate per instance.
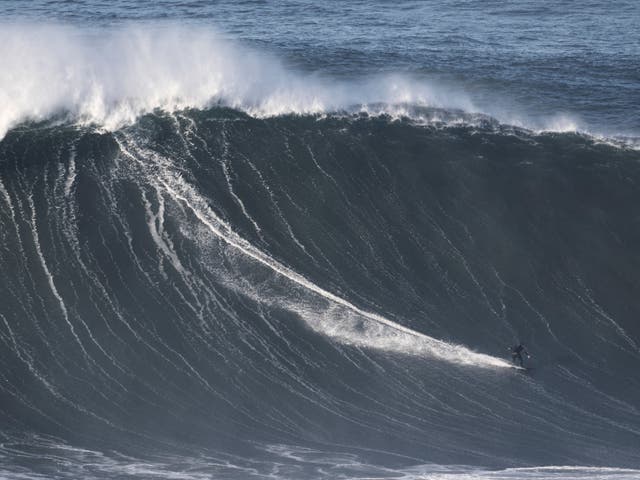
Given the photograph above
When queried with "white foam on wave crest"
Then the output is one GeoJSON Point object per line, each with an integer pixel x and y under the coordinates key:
{"type": "Point", "coordinates": [110, 77]}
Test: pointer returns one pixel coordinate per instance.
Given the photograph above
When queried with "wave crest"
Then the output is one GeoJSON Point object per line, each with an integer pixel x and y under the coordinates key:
{"type": "Point", "coordinates": [112, 77]}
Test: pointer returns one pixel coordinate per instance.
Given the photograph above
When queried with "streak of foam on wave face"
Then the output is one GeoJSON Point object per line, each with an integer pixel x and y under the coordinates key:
{"type": "Point", "coordinates": [322, 310]}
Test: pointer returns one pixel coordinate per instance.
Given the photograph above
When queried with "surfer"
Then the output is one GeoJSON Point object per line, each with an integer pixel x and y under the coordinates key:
{"type": "Point", "coordinates": [516, 353]}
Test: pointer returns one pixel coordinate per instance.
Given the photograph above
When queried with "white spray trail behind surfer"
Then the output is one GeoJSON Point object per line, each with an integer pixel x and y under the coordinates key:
{"type": "Point", "coordinates": [323, 311]}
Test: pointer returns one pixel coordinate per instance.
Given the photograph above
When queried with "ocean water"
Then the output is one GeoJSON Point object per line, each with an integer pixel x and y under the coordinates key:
{"type": "Point", "coordinates": [295, 240]}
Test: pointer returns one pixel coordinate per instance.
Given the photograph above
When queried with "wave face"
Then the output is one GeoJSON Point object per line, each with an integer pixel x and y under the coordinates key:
{"type": "Point", "coordinates": [208, 293]}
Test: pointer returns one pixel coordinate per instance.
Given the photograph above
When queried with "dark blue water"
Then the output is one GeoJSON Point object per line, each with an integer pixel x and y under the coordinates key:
{"type": "Point", "coordinates": [295, 240]}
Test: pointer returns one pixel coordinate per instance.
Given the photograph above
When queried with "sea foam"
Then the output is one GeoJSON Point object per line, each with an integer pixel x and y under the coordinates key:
{"type": "Point", "coordinates": [112, 76]}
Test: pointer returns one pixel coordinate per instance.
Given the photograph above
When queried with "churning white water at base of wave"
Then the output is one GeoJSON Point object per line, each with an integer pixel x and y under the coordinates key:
{"type": "Point", "coordinates": [279, 462]}
{"type": "Point", "coordinates": [110, 77]}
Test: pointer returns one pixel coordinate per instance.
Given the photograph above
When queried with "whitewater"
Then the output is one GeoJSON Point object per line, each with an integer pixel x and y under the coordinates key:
{"type": "Point", "coordinates": [109, 77]}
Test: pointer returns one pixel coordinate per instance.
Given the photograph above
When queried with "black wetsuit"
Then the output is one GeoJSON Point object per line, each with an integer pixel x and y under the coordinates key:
{"type": "Point", "coordinates": [516, 354]}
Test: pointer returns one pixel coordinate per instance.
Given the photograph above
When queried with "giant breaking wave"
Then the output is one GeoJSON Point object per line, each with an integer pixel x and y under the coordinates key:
{"type": "Point", "coordinates": [252, 288]}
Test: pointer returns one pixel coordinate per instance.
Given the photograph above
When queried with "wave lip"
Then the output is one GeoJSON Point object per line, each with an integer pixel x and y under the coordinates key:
{"type": "Point", "coordinates": [112, 77]}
